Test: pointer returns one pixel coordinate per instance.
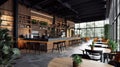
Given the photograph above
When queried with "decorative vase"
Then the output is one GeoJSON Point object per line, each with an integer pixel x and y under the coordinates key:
{"type": "Point", "coordinates": [75, 64]}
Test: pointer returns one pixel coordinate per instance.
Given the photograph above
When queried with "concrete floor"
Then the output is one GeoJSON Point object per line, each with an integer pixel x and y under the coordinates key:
{"type": "Point", "coordinates": [42, 60]}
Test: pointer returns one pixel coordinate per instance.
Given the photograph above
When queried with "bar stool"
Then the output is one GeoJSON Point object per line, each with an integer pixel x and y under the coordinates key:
{"type": "Point", "coordinates": [63, 45]}
{"type": "Point", "coordinates": [29, 46]}
{"type": "Point", "coordinates": [26, 46]}
{"type": "Point", "coordinates": [43, 47]}
{"type": "Point", "coordinates": [70, 42]}
{"type": "Point", "coordinates": [36, 47]}
{"type": "Point", "coordinates": [56, 46]}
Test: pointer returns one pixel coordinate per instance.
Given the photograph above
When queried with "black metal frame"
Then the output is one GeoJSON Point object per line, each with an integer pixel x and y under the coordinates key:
{"type": "Point", "coordinates": [15, 23]}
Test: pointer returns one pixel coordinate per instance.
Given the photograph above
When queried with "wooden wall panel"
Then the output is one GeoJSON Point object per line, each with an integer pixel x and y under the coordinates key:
{"type": "Point", "coordinates": [7, 5]}
{"type": "Point", "coordinates": [24, 10]}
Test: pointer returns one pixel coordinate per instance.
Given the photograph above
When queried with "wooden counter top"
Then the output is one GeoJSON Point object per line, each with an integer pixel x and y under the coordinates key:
{"type": "Point", "coordinates": [49, 42]}
{"type": "Point", "coordinates": [53, 39]}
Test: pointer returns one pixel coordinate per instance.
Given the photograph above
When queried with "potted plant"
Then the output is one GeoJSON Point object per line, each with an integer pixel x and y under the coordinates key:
{"type": "Point", "coordinates": [77, 60]}
{"type": "Point", "coordinates": [113, 45]}
{"type": "Point", "coordinates": [7, 53]}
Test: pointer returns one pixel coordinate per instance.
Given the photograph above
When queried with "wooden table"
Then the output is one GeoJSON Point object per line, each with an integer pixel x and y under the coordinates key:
{"type": "Point", "coordinates": [67, 62]}
{"type": "Point", "coordinates": [102, 45]}
{"type": "Point", "coordinates": [105, 50]}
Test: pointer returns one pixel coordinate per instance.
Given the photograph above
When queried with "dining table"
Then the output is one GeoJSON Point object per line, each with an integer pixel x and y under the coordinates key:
{"type": "Point", "coordinates": [104, 50]}
{"type": "Point", "coordinates": [68, 62]}
{"type": "Point", "coordinates": [101, 45]}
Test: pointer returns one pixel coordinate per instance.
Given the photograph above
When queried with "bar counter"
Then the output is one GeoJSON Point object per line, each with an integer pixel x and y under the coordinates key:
{"type": "Point", "coordinates": [49, 42]}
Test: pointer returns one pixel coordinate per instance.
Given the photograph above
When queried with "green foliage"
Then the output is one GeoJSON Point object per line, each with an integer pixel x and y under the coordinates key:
{"type": "Point", "coordinates": [34, 21]}
{"type": "Point", "coordinates": [113, 45]}
{"type": "Point", "coordinates": [106, 31]}
{"type": "Point", "coordinates": [43, 23]}
{"type": "Point", "coordinates": [40, 22]}
{"type": "Point", "coordinates": [77, 59]}
{"type": "Point", "coordinates": [7, 52]}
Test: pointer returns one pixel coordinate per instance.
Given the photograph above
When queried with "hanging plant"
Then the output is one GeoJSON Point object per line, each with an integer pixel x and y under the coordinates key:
{"type": "Point", "coordinates": [34, 21]}
{"type": "Point", "coordinates": [43, 23]}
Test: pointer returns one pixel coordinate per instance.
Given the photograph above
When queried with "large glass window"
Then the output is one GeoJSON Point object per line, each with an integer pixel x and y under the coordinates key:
{"type": "Point", "coordinates": [99, 23]}
{"type": "Point", "coordinates": [90, 24]}
{"type": "Point", "coordinates": [91, 29]}
{"type": "Point", "coordinates": [77, 25]}
{"type": "Point", "coordinates": [82, 25]}
{"type": "Point", "coordinates": [99, 32]}
{"type": "Point", "coordinates": [90, 32]}
{"type": "Point", "coordinates": [83, 33]}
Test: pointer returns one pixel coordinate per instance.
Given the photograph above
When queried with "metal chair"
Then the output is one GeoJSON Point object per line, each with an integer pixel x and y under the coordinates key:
{"type": "Point", "coordinates": [94, 54]}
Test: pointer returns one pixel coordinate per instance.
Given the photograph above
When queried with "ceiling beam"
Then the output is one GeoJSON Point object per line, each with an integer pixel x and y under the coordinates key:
{"type": "Point", "coordinates": [90, 15]}
{"type": "Point", "coordinates": [92, 12]}
{"type": "Point", "coordinates": [38, 2]}
{"type": "Point", "coordinates": [92, 19]}
{"type": "Point", "coordinates": [88, 7]}
{"type": "Point", "coordinates": [88, 3]}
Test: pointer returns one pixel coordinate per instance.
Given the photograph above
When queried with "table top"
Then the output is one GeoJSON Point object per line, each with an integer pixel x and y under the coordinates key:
{"type": "Point", "coordinates": [67, 62]}
{"type": "Point", "coordinates": [105, 50]}
{"type": "Point", "coordinates": [101, 45]}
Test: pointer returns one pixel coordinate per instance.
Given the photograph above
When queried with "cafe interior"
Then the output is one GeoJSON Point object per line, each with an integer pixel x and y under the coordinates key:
{"type": "Point", "coordinates": [60, 33]}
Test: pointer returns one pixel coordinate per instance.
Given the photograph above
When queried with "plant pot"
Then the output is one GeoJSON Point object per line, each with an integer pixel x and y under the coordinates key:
{"type": "Point", "coordinates": [75, 64]}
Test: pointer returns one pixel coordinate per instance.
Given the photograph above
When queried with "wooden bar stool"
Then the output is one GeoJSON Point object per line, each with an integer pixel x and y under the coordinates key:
{"type": "Point", "coordinates": [63, 45]}
{"type": "Point", "coordinates": [56, 46]}
{"type": "Point", "coordinates": [43, 47]}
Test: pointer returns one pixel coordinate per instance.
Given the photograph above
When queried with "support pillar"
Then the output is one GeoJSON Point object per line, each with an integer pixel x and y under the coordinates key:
{"type": "Point", "coordinates": [15, 23]}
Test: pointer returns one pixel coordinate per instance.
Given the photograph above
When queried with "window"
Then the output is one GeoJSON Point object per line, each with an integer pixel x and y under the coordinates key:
{"type": "Point", "coordinates": [99, 23]}
{"type": "Point", "coordinates": [90, 32]}
{"type": "Point", "coordinates": [90, 24]}
{"type": "Point", "coordinates": [77, 25]}
{"type": "Point", "coordinates": [107, 21]}
{"type": "Point", "coordinates": [91, 29]}
{"type": "Point", "coordinates": [83, 33]}
{"type": "Point", "coordinates": [82, 25]}
{"type": "Point", "coordinates": [99, 32]}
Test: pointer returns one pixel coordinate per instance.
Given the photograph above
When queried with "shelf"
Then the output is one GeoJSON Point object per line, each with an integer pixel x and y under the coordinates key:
{"type": "Point", "coordinates": [7, 21]}
{"type": "Point", "coordinates": [24, 24]}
